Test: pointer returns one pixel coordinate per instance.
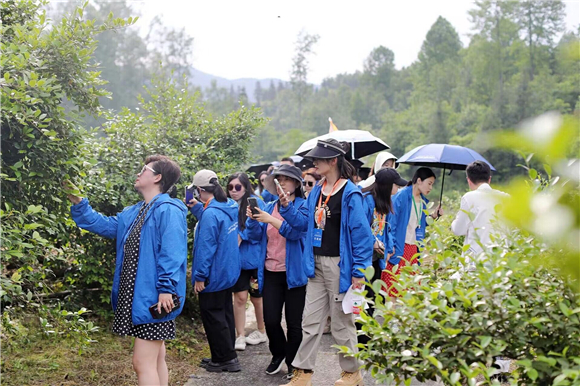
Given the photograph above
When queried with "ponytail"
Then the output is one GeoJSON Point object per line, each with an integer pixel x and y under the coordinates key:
{"type": "Point", "coordinates": [217, 191]}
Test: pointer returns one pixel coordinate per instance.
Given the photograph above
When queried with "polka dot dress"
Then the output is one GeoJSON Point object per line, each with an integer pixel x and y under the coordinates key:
{"type": "Point", "coordinates": [123, 322]}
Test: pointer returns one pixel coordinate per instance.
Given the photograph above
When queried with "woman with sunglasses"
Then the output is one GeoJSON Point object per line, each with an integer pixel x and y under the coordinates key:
{"type": "Point", "coordinates": [240, 189]}
{"type": "Point", "coordinates": [281, 276]}
{"type": "Point", "coordinates": [378, 206]}
{"type": "Point", "coordinates": [151, 235]}
{"type": "Point", "coordinates": [216, 268]}
{"type": "Point", "coordinates": [311, 178]}
{"type": "Point", "coordinates": [266, 196]}
{"type": "Point", "coordinates": [338, 245]}
{"type": "Point", "coordinates": [408, 224]}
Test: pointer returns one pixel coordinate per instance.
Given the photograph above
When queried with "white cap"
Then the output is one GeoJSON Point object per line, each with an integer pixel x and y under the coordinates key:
{"type": "Point", "coordinates": [203, 178]}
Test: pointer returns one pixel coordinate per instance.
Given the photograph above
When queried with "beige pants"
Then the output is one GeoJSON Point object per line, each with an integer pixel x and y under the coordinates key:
{"type": "Point", "coordinates": [322, 300]}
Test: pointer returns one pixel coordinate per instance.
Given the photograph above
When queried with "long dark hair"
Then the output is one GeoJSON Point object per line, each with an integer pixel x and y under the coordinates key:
{"type": "Point", "coordinates": [243, 204]}
{"type": "Point", "coordinates": [260, 186]}
{"type": "Point", "coordinates": [422, 173]}
{"type": "Point", "coordinates": [382, 195]}
{"type": "Point", "coordinates": [217, 190]}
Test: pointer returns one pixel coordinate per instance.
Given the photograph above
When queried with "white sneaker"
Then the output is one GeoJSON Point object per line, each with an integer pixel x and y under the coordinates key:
{"type": "Point", "coordinates": [256, 337]}
{"type": "Point", "coordinates": [240, 343]}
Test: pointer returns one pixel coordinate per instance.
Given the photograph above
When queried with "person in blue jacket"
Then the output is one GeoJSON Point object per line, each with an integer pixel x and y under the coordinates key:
{"type": "Point", "coordinates": [378, 206]}
{"type": "Point", "coordinates": [216, 268]}
{"type": "Point", "coordinates": [281, 275]}
{"type": "Point", "coordinates": [151, 263]}
{"type": "Point", "coordinates": [408, 223]}
{"type": "Point", "coordinates": [266, 196]}
{"type": "Point", "coordinates": [239, 190]}
{"type": "Point", "coordinates": [337, 247]}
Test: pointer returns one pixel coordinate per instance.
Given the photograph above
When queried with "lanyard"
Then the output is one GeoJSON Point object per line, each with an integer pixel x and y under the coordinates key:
{"type": "Point", "coordinates": [417, 212]}
{"type": "Point", "coordinates": [207, 203]}
{"type": "Point", "coordinates": [319, 212]}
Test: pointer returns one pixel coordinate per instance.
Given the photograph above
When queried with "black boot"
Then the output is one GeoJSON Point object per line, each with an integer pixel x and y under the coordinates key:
{"type": "Point", "coordinates": [230, 366]}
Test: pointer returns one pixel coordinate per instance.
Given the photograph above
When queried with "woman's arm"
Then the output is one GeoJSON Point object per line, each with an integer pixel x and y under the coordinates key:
{"type": "Point", "coordinates": [89, 219]}
{"type": "Point", "coordinates": [207, 239]}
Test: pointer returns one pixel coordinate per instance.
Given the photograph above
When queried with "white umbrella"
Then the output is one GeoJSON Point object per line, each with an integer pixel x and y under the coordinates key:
{"type": "Point", "coordinates": [362, 143]}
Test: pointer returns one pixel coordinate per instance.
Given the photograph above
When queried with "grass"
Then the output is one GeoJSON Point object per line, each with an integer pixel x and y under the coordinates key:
{"type": "Point", "coordinates": [38, 360]}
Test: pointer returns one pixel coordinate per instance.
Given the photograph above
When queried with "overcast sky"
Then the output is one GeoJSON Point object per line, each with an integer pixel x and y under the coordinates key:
{"type": "Point", "coordinates": [255, 39]}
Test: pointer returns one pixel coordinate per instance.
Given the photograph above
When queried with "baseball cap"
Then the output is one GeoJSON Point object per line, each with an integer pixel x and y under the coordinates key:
{"type": "Point", "coordinates": [389, 175]}
{"type": "Point", "coordinates": [203, 178]}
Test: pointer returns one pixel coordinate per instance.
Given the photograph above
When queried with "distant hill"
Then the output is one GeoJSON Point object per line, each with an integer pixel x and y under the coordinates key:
{"type": "Point", "coordinates": [203, 81]}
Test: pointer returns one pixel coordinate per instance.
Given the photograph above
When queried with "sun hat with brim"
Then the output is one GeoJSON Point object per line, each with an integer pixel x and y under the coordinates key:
{"type": "Point", "coordinates": [203, 178]}
{"type": "Point", "coordinates": [326, 149]}
{"type": "Point", "coordinates": [389, 175]}
{"type": "Point", "coordinates": [289, 171]}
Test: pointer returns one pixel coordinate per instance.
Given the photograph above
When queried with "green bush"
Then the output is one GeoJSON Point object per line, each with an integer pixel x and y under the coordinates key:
{"type": "Point", "coordinates": [452, 329]}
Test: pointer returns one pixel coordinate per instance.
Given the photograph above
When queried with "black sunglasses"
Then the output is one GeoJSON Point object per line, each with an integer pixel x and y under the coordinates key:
{"type": "Point", "coordinates": [236, 187]}
{"type": "Point", "coordinates": [308, 183]}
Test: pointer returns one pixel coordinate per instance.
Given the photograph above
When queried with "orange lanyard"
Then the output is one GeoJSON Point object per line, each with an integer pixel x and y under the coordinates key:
{"type": "Point", "coordinates": [207, 203]}
{"type": "Point", "coordinates": [320, 212]}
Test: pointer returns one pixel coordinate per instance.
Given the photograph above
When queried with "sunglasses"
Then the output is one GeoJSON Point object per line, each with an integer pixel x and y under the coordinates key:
{"type": "Point", "coordinates": [308, 183]}
{"type": "Point", "coordinates": [147, 168]}
{"type": "Point", "coordinates": [236, 187]}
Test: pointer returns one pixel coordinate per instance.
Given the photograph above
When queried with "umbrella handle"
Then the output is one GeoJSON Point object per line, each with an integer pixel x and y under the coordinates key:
{"type": "Point", "coordinates": [442, 185]}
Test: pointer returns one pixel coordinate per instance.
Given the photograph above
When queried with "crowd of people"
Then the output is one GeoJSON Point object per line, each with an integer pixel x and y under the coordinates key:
{"type": "Point", "coordinates": [295, 245]}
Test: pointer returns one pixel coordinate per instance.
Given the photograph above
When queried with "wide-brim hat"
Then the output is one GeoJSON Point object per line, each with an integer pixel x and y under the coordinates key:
{"type": "Point", "coordinates": [289, 171]}
{"type": "Point", "coordinates": [326, 149]}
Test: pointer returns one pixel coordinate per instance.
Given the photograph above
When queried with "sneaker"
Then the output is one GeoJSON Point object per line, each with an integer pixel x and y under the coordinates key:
{"type": "Point", "coordinates": [240, 343]}
{"type": "Point", "coordinates": [350, 379]}
{"type": "Point", "coordinates": [229, 366]}
{"type": "Point", "coordinates": [290, 373]}
{"type": "Point", "coordinates": [256, 337]}
{"type": "Point", "coordinates": [300, 378]}
{"type": "Point", "coordinates": [275, 366]}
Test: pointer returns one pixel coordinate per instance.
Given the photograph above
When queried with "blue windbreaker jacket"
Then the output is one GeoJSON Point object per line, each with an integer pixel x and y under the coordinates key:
{"type": "Point", "coordinates": [162, 251]}
{"type": "Point", "coordinates": [387, 237]}
{"type": "Point", "coordinates": [250, 249]}
{"type": "Point", "coordinates": [356, 238]}
{"type": "Point", "coordinates": [216, 257]}
{"type": "Point", "coordinates": [295, 275]}
{"type": "Point", "coordinates": [402, 206]}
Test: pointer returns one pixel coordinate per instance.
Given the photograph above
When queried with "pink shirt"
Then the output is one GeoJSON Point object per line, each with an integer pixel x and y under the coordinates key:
{"type": "Point", "coordinates": [276, 249]}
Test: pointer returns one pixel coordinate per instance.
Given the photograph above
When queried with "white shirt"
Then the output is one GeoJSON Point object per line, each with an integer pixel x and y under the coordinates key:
{"type": "Point", "coordinates": [411, 234]}
{"type": "Point", "coordinates": [477, 225]}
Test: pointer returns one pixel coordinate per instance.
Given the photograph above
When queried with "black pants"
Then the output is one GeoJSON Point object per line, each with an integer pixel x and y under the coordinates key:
{"type": "Point", "coordinates": [217, 315]}
{"type": "Point", "coordinates": [276, 295]}
{"type": "Point", "coordinates": [370, 294]}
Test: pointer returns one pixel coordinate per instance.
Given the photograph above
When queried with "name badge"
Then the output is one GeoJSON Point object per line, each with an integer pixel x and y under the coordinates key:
{"type": "Point", "coordinates": [317, 238]}
{"type": "Point", "coordinates": [419, 233]}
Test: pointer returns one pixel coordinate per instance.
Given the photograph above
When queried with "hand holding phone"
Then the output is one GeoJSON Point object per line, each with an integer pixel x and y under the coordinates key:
{"type": "Point", "coordinates": [191, 193]}
{"type": "Point", "coordinates": [281, 192]}
{"type": "Point", "coordinates": [157, 314]}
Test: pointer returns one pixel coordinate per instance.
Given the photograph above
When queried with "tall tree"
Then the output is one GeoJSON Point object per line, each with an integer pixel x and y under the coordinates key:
{"type": "Point", "coordinates": [379, 70]}
{"type": "Point", "coordinates": [299, 76]}
{"type": "Point", "coordinates": [541, 21]}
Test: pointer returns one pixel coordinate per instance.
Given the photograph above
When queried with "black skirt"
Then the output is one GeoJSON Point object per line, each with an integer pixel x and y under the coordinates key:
{"type": "Point", "coordinates": [123, 322]}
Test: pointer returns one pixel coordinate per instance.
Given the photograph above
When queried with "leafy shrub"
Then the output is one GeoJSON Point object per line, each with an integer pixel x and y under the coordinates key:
{"type": "Point", "coordinates": [452, 329]}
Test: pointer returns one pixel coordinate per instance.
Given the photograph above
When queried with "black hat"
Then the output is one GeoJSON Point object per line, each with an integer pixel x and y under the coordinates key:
{"type": "Point", "coordinates": [356, 163]}
{"type": "Point", "coordinates": [326, 149]}
{"type": "Point", "coordinates": [389, 175]}
{"type": "Point", "coordinates": [284, 170]}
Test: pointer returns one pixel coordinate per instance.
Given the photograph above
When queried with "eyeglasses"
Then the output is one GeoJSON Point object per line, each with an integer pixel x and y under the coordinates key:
{"type": "Point", "coordinates": [145, 167]}
{"type": "Point", "coordinates": [236, 187]}
{"type": "Point", "coordinates": [308, 183]}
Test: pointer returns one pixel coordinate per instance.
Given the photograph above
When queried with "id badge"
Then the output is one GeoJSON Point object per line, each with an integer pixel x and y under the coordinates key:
{"type": "Point", "coordinates": [317, 238]}
{"type": "Point", "coordinates": [419, 233]}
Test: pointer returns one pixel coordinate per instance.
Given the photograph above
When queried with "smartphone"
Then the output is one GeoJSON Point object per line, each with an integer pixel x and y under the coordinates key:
{"type": "Point", "coordinates": [158, 315]}
{"type": "Point", "coordinates": [191, 193]}
{"type": "Point", "coordinates": [253, 202]}
{"type": "Point", "coordinates": [279, 186]}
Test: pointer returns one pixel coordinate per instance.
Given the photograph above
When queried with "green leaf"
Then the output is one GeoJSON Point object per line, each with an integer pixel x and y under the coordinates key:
{"type": "Point", "coordinates": [485, 341]}
{"type": "Point", "coordinates": [533, 173]}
